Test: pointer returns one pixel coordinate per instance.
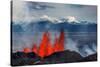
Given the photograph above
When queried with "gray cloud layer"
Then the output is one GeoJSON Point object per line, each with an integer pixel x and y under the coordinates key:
{"type": "Point", "coordinates": [23, 10]}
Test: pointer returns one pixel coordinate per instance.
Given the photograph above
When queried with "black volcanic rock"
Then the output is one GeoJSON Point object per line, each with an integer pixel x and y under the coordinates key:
{"type": "Point", "coordinates": [17, 55]}
{"type": "Point", "coordinates": [62, 57]}
{"type": "Point", "coordinates": [92, 57]}
{"type": "Point", "coordinates": [21, 58]}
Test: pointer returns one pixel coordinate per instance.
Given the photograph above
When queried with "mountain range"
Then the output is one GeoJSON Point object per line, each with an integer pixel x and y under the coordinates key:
{"type": "Point", "coordinates": [53, 24]}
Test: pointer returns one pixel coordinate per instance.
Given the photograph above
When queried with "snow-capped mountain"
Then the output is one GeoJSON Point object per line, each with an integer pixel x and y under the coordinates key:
{"type": "Point", "coordinates": [68, 19]}
{"type": "Point", "coordinates": [43, 23]}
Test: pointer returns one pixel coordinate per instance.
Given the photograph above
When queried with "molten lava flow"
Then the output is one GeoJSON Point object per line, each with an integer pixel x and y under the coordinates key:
{"type": "Point", "coordinates": [46, 48]}
{"type": "Point", "coordinates": [27, 50]}
{"type": "Point", "coordinates": [56, 45]}
{"type": "Point", "coordinates": [35, 49]}
{"type": "Point", "coordinates": [59, 43]}
{"type": "Point", "coordinates": [49, 48]}
{"type": "Point", "coordinates": [42, 48]}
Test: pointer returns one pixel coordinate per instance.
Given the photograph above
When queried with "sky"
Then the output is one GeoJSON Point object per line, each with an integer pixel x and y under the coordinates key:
{"type": "Point", "coordinates": [28, 11]}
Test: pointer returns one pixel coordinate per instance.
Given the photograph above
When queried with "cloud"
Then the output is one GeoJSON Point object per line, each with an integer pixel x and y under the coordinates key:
{"type": "Point", "coordinates": [21, 12]}
{"type": "Point", "coordinates": [38, 6]}
{"type": "Point", "coordinates": [71, 19]}
{"type": "Point", "coordinates": [76, 6]}
{"type": "Point", "coordinates": [27, 11]}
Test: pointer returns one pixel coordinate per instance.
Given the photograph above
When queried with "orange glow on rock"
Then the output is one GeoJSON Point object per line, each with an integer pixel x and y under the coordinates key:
{"type": "Point", "coordinates": [27, 50]}
{"type": "Point", "coordinates": [35, 49]}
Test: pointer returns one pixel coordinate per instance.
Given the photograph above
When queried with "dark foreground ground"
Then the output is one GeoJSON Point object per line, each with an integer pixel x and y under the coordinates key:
{"type": "Point", "coordinates": [20, 58]}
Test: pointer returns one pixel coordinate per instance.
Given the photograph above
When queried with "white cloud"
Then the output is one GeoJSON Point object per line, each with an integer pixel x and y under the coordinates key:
{"type": "Point", "coordinates": [71, 19]}
{"type": "Point", "coordinates": [52, 19]}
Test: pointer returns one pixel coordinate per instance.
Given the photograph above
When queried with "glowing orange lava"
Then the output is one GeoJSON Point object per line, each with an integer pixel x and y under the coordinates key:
{"type": "Point", "coordinates": [35, 49]}
{"type": "Point", "coordinates": [46, 48]}
{"type": "Point", "coordinates": [27, 50]}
